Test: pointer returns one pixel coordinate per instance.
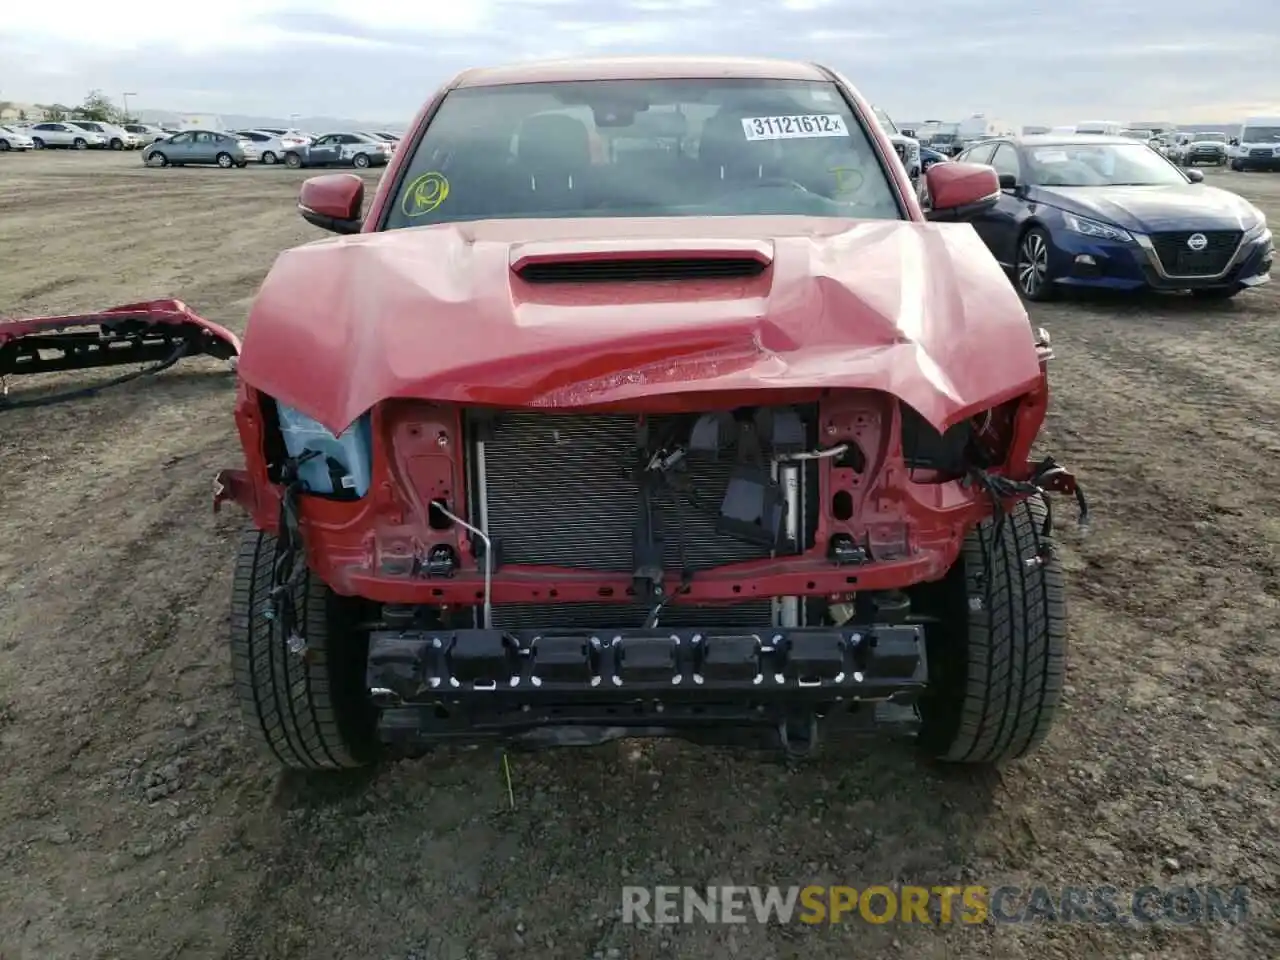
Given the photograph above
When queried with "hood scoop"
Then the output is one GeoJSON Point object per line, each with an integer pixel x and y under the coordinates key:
{"type": "Point", "coordinates": [648, 261]}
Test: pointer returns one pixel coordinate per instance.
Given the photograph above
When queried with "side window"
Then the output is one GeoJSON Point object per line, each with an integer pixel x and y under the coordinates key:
{"type": "Point", "coordinates": [1005, 160]}
{"type": "Point", "coordinates": [181, 138]}
{"type": "Point", "coordinates": [978, 154]}
{"type": "Point", "coordinates": [204, 137]}
{"type": "Point", "coordinates": [46, 126]}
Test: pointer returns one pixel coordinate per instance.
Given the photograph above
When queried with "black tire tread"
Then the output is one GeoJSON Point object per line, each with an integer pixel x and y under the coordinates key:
{"type": "Point", "coordinates": [1016, 641]}
{"type": "Point", "coordinates": [295, 705]}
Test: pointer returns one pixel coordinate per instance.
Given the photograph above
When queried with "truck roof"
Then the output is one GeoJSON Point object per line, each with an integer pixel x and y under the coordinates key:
{"type": "Point", "coordinates": [640, 68]}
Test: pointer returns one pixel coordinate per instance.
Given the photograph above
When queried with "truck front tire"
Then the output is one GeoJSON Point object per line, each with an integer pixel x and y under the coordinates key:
{"type": "Point", "coordinates": [997, 661]}
{"type": "Point", "coordinates": [307, 708]}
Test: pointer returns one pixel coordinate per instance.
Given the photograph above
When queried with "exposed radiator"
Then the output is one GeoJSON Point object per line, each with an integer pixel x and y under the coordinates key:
{"type": "Point", "coordinates": [559, 491]}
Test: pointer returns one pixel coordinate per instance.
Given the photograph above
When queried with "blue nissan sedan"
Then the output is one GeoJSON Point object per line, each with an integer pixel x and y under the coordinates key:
{"type": "Point", "coordinates": [1097, 211]}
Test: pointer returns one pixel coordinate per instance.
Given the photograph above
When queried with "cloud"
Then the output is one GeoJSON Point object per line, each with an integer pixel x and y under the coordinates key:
{"type": "Point", "coordinates": [1033, 61]}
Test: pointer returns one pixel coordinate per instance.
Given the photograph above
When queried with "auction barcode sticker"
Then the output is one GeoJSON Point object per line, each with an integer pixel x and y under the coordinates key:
{"type": "Point", "coordinates": [794, 127]}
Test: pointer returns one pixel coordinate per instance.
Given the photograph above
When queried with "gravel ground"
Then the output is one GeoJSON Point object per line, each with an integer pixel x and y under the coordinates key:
{"type": "Point", "coordinates": [137, 821]}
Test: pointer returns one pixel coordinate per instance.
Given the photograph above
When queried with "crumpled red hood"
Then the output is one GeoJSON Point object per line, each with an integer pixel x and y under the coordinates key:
{"type": "Point", "coordinates": [918, 310]}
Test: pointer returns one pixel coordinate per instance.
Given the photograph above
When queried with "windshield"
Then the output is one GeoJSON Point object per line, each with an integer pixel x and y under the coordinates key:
{"type": "Point", "coordinates": [1099, 165]}
{"type": "Point", "coordinates": [1209, 136]}
{"type": "Point", "coordinates": [1260, 135]}
{"type": "Point", "coordinates": [643, 148]}
{"type": "Point", "coordinates": [890, 127]}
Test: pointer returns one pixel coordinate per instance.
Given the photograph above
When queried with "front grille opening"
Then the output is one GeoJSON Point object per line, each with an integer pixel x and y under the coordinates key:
{"type": "Point", "coordinates": [633, 270]}
{"type": "Point", "coordinates": [1179, 259]}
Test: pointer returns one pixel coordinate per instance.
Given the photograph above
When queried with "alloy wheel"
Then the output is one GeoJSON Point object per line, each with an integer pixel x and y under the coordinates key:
{"type": "Point", "coordinates": [1033, 264]}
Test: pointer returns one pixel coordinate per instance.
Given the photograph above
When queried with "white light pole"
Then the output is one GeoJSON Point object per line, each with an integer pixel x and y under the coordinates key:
{"type": "Point", "coordinates": [126, 97]}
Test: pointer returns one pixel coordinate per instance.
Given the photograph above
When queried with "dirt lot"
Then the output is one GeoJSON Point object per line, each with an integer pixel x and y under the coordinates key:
{"type": "Point", "coordinates": [136, 820]}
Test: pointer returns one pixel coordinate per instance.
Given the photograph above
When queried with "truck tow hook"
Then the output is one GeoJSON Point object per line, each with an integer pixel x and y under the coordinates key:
{"type": "Point", "coordinates": [799, 737]}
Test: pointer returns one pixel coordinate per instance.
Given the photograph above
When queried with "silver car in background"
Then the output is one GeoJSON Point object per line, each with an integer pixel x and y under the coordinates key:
{"type": "Point", "coordinates": [116, 138]}
{"type": "Point", "coordinates": [341, 149]}
{"type": "Point", "coordinates": [53, 133]}
{"type": "Point", "coordinates": [272, 147]}
{"type": "Point", "coordinates": [291, 132]}
{"type": "Point", "coordinates": [195, 147]}
{"type": "Point", "coordinates": [11, 138]}
{"type": "Point", "coordinates": [148, 132]}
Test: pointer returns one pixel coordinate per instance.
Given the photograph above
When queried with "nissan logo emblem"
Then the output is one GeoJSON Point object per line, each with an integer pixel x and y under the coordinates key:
{"type": "Point", "coordinates": [1197, 241]}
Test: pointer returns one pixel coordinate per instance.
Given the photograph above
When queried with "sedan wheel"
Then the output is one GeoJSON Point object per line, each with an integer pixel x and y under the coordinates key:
{"type": "Point", "coordinates": [292, 160]}
{"type": "Point", "coordinates": [4, 146]}
{"type": "Point", "coordinates": [268, 157]}
{"type": "Point", "coordinates": [37, 143]}
{"type": "Point", "coordinates": [1034, 280]}
{"type": "Point", "coordinates": [360, 160]}
{"type": "Point", "coordinates": [81, 144]}
{"type": "Point", "coordinates": [225, 161]}
{"type": "Point", "coordinates": [157, 159]}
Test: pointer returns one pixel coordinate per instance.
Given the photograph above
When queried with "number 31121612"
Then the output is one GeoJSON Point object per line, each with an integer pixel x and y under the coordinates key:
{"type": "Point", "coordinates": [801, 125]}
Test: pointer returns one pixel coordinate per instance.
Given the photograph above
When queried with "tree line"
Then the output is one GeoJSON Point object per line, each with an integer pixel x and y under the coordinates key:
{"type": "Point", "coordinates": [95, 106]}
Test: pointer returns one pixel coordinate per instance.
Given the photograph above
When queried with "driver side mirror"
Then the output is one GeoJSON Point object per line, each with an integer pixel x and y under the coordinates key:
{"type": "Point", "coordinates": [1008, 181]}
{"type": "Point", "coordinates": [333, 202]}
{"type": "Point", "coordinates": [1195, 176]}
{"type": "Point", "coordinates": [909, 133]}
{"type": "Point", "coordinates": [960, 191]}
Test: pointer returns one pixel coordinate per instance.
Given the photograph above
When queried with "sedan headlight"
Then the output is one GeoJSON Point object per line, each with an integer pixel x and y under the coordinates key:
{"type": "Point", "coordinates": [1095, 228]}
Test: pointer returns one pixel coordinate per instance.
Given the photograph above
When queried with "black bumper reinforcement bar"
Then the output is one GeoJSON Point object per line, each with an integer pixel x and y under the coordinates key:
{"type": "Point", "coordinates": [569, 687]}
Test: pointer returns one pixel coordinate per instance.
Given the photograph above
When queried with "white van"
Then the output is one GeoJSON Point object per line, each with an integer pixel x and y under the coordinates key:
{"type": "Point", "coordinates": [1259, 145]}
{"type": "Point", "coordinates": [1110, 128]}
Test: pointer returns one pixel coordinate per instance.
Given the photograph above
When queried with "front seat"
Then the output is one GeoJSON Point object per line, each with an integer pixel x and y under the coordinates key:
{"type": "Point", "coordinates": [553, 152]}
{"type": "Point", "coordinates": [725, 153]}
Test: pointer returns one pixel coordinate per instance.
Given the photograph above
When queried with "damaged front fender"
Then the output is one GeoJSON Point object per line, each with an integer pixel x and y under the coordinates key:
{"type": "Point", "coordinates": [157, 332]}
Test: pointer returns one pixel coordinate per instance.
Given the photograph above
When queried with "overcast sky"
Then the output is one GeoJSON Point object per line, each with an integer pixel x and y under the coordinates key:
{"type": "Point", "coordinates": [1026, 61]}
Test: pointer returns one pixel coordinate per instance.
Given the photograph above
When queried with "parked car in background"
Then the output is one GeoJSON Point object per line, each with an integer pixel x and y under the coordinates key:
{"type": "Point", "coordinates": [116, 138]}
{"type": "Point", "coordinates": [11, 138]}
{"type": "Point", "coordinates": [58, 134]}
{"type": "Point", "coordinates": [272, 147]}
{"type": "Point", "coordinates": [201, 147]}
{"type": "Point", "coordinates": [386, 138]}
{"type": "Point", "coordinates": [1097, 211]}
{"type": "Point", "coordinates": [393, 137]}
{"type": "Point", "coordinates": [289, 132]}
{"type": "Point", "coordinates": [948, 144]}
{"type": "Point", "coordinates": [929, 156]}
{"type": "Point", "coordinates": [907, 148]}
{"type": "Point", "coordinates": [1258, 146]}
{"type": "Point", "coordinates": [340, 149]}
{"type": "Point", "coordinates": [148, 132]}
{"type": "Point", "coordinates": [1202, 147]}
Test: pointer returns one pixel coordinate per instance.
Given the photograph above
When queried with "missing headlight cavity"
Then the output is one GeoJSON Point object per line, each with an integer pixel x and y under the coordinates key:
{"type": "Point", "coordinates": [924, 448]}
